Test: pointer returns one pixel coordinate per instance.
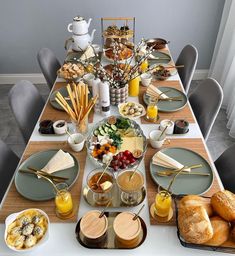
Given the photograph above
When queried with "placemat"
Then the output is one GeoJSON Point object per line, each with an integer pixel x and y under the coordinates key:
{"type": "Point", "coordinates": [54, 114]}
{"type": "Point", "coordinates": [184, 113]}
{"type": "Point", "coordinates": [14, 202]}
{"type": "Point", "coordinates": [193, 144]}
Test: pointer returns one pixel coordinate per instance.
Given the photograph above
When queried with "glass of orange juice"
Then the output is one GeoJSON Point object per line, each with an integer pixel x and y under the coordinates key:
{"type": "Point", "coordinates": [63, 201]}
{"type": "Point", "coordinates": [134, 86]}
{"type": "Point", "coordinates": [144, 65]}
{"type": "Point", "coordinates": [163, 203]}
{"type": "Point", "coordinates": [152, 110]}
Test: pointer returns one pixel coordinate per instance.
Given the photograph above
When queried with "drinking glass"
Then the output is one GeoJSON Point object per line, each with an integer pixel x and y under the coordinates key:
{"type": "Point", "coordinates": [152, 110]}
{"type": "Point", "coordinates": [163, 203]}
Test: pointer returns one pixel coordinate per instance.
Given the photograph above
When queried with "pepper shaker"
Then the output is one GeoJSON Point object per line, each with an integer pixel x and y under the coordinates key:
{"type": "Point", "coordinates": [104, 98]}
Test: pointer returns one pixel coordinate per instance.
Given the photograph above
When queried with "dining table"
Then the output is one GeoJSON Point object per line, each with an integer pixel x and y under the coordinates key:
{"type": "Point", "coordinates": [161, 238]}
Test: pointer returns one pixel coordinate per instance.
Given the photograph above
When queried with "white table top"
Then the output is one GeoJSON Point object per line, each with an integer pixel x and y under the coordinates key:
{"type": "Point", "coordinates": [161, 240]}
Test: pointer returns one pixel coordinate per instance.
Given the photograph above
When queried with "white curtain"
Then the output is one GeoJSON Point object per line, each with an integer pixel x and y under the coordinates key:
{"type": "Point", "coordinates": [223, 62]}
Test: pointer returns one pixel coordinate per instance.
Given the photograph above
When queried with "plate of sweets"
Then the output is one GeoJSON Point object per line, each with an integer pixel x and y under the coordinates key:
{"type": "Point", "coordinates": [116, 140]}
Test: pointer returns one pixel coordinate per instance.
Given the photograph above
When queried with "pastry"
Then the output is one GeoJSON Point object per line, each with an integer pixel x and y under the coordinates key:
{"type": "Point", "coordinates": [194, 200]}
{"type": "Point", "coordinates": [223, 203]}
{"type": "Point", "coordinates": [233, 234]}
{"type": "Point", "coordinates": [194, 224]}
{"type": "Point", "coordinates": [221, 229]}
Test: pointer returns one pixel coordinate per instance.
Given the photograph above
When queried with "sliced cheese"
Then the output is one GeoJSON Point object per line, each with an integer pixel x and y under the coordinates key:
{"type": "Point", "coordinates": [58, 162]}
{"type": "Point", "coordinates": [164, 160]}
{"type": "Point", "coordinates": [132, 144]}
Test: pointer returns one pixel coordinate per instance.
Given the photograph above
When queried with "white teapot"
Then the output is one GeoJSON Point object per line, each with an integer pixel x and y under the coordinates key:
{"type": "Point", "coordinates": [79, 26]}
{"type": "Point", "coordinates": [80, 43]}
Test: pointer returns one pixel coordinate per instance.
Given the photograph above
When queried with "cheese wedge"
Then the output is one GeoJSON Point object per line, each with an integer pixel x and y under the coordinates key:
{"type": "Point", "coordinates": [58, 162]}
{"type": "Point", "coordinates": [89, 53]}
{"type": "Point", "coordinates": [164, 160]}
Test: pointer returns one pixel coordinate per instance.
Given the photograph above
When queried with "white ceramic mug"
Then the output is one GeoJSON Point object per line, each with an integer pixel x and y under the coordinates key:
{"type": "Point", "coordinates": [76, 141]}
{"type": "Point", "coordinates": [154, 138]}
{"type": "Point", "coordinates": [146, 79]}
{"type": "Point", "coordinates": [170, 128]}
{"type": "Point", "coordinates": [60, 130]}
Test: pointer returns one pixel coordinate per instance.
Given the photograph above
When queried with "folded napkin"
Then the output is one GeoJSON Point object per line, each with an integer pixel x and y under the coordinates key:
{"type": "Point", "coordinates": [89, 53]}
{"type": "Point", "coordinates": [58, 162]}
{"type": "Point", "coordinates": [154, 91]}
{"type": "Point", "coordinates": [163, 160]}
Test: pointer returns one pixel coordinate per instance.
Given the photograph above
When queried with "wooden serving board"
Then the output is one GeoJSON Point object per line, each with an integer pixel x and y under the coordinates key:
{"type": "Point", "coordinates": [54, 114]}
{"type": "Point", "coordinates": [192, 144]}
{"type": "Point", "coordinates": [184, 113]}
{"type": "Point", "coordinates": [14, 202]}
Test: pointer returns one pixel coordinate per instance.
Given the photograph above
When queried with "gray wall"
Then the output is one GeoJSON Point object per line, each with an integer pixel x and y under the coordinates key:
{"type": "Point", "coordinates": [28, 25]}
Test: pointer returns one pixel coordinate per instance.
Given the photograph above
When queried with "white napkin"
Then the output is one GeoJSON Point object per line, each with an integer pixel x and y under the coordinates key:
{"type": "Point", "coordinates": [58, 162]}
{"type": "Point", "coordinates": [154, 90]}
{"type": "Point", "coordinates": [163, 160]}
{"type": "Point", "coordinates": [89, 53]}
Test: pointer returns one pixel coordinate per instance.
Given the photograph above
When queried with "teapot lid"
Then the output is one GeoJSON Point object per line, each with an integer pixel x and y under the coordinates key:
{"type": "Point", "coordinates": [78, 18]}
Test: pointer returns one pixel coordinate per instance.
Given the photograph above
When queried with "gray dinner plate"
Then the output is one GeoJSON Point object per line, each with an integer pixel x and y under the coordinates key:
{"type": "Point", "coordinates": [169, 106]}
{"type": "Point", "coordinates": [30, 187]}
{"type": "Point", "coordinates": [161, 57]}
{"type": "Point", "coordinates": [184, 184]}
{"type": "Point", "coordinates": [54, 103]}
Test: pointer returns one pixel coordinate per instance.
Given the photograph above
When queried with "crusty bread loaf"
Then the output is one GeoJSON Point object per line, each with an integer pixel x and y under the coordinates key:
{"type": "Point", "coordinates": [233, 233]}
{"type": "Point", "coordinates": [194, 200]}
{"type": "Point", "coordinates": [223, 203]}
{"type": "Point", "coordinates": [221, 229]}
{"type": "Point", "coordinates": [194, 224]}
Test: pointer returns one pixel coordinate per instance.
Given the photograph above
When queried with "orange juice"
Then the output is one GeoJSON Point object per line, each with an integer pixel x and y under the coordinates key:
{"type": "Point", "coordinates": [64, 203]}
{"type": "Point", "coordinates": [152, 111]}
{"type": "Point", "coordinates": [134, 87]}
{"type": "Point", "coordinates": [162, 204]}
{"type": "Point", "coordinates": [144, 65]}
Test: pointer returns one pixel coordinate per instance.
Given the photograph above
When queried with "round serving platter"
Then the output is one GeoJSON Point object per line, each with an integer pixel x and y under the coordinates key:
{"type": "Point", "coordinates": [184, 184]}
{"type": "Point", "coordinates": [33, 188]}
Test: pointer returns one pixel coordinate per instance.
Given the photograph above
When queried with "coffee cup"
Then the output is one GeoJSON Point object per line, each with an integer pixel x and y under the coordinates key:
{"type": "Point", "coordinates": [76, 142]}
{"type": "Point", "coordinates": [170, 126]}
{"type": "Point", "coordinates": [155, 140]}
{"type": "Point", "coordinates": [146, 79]}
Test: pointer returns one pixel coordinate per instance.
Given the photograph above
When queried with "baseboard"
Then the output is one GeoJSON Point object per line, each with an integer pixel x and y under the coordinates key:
{"type": "Point", "coordinates": [38, 78]}
{"type": "Point", "coordinates": [35, 78]}
{"type": "Point", "coordinates": [200, 74]}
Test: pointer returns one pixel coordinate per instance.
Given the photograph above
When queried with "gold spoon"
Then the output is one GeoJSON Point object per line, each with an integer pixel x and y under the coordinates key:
{"type": "Point", "coordinates": [102, 213]}
{"type": "Point", "coordinates": [170, 173]}
{"type": "Point", "coordinates": [137, 214]}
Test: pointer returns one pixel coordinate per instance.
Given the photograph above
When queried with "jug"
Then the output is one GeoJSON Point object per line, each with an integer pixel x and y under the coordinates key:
{"type": "Point", "coordinates": [79, 26]}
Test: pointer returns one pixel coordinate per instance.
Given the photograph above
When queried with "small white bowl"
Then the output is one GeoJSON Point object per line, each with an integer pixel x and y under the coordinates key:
{"type": "Point", "coordinates": [153, 138]}
{"type": "Point", "coordinates": [79, 139]}
{"type": "Point", "coordinates": [146, 79]}
{"type": "Point", "coordinates": [169, 123]}
{"type": "Point", "coordinates": [11, 218]}
{"type": "Point", "coordinates": [89, 78]}
{"type": "Point", "coordinates": [121, 106]}
{"type": "Point", "coordinates": [60, 130]}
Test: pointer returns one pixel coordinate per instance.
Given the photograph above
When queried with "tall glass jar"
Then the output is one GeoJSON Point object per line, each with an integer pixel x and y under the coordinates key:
{"type": "Point", "coordinates": [81, 126]}
{"type": "Point", "coordinates": [152, 110]}
{"type": "Point", "coordinates": [134, 86]}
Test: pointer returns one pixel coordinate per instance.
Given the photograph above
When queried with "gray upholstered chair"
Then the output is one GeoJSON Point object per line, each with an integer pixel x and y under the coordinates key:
{"type": "Point", "coordinates": [26, 104]}
{"type": "Point", "coordinates": [206, 101]}
{"type": "Point", "coordinates": [49, 65]}
{"type": "Point", "coordinates": [8, 164]}
{"type": "Point", "coordinates": [225, 167]}
{"type": "Point", "coordinates": [188, 57]}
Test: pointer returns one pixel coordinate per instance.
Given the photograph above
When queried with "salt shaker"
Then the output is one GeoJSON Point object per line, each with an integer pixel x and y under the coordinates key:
{"type": "Point", "coordinates": [104, 98]}
{"type": "Point", "coordinates": [96, 91]}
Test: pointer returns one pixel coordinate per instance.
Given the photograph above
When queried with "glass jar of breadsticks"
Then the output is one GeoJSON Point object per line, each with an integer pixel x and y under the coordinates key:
{"type": "Point", "coordinates": [78, 106]}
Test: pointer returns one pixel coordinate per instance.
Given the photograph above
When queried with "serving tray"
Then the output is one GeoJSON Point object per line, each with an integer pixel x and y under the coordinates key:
{"type": "Point", "coordinates": [110, 241]}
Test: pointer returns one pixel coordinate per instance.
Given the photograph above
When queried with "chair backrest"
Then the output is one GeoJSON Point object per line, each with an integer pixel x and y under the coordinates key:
{"type": "Point", "coordinates": [8, 164]}
{"type": "Point", "coordinates": [188, 57]}
{"type": "Point", "coordinates": [206, 101]}
{"type": "Point", "coordinates": [49, 65]}
{"type": "Point", "coordinates": [26, 104]}
{"type": "Point", "coordinates": [225, 167]}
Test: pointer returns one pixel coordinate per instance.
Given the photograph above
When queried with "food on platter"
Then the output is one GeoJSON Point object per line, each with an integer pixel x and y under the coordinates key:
{"type": "Point", "coordinates": [71, 71]}
{"type": "Point", "coordinates": [221, 229]}
{"type": "Point", "coordinates": [105, 183]}
{"type": "Point", "coordinates": [114, 140]}
{"type": "Point", "coordinates": [118, 71]}
{"type": "Point", "coordinates": [131, 110]}
{"type": "Point", "coordinates": [114, 30]}
{"type": "Point", "coordinates": [194, 200]}
{"type": "Point", "coordinates": [157, 43]}
{"type": "Point", "coordinates": [194, 224]}
{"type": "Point", "coordinates": [161, 72]}
{"type": "Point", "coordinates": [123, 53]}
{"type": "Point", "coordinates": [26, 230]}
{"type": "Point", "coordinates": [223, 203]}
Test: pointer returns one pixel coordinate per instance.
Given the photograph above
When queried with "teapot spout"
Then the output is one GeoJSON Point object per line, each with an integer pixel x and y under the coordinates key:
{"type": "Point", "coordinates": [67, 42]}
{"type": "Point", "coordinates": [89, 22]}
{"type": "Point", "coordinates": [92, 34]}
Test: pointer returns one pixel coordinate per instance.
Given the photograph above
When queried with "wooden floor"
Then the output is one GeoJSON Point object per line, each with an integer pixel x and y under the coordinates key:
{"type": "Point", "coordinates": [218, 141]}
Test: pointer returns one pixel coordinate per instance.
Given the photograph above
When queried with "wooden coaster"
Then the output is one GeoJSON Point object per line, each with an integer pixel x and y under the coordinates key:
{"type": "Point", "coordinates": [160, 219]}
{"type": "Point", "coordinates": [151, 121]}
{"type": "Point", "coordinates": [65, 217]}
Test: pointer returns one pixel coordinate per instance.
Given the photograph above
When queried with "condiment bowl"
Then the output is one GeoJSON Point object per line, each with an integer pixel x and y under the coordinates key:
{"type": "Point", "coordinates": [76, 141]}
{"type": "Point", "coordinates": [146, 79]}
{"type": "Point", "coordinates": [60, 127]}
{"type": "Point", "coordinates": [154, 138]}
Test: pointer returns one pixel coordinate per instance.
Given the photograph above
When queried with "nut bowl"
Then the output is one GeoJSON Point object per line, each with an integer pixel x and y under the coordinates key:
{"type": "Point", "coordinates": [36, 237]}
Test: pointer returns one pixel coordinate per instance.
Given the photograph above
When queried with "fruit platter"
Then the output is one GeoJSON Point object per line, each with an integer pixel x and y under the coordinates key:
{"type": "Point", "coordinates": [116, 141]}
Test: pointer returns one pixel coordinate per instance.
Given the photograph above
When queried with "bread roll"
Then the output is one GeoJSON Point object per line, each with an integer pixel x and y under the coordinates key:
{"type": "Point", "coordinates": [193, 200]}
{"type": "Point", "coordinates": [233, 234]}
{"type": "Point", "coordinates": [223, 202]}
{"type": "Point", "coordinates": [194, 224]}
{"type": "Point", "coordinates": [221, 229]}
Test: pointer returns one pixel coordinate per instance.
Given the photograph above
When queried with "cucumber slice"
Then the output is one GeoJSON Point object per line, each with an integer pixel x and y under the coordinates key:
{"type": "Point", "coordinates": [100, 128]}
{"type": "Point", "coordinates": [108, 125]}
{"type": "Point", "coordinates": [96, 132]}
{"type": "Point", "coordinates": [114, 128]}
{"type": "Point", "coordinates": [102, 132]}
{"type": "Point", "coordinates": [106, 129]}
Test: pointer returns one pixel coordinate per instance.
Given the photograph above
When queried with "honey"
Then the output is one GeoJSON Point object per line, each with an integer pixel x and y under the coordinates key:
{"type": "Point", "coordinates": [96, 187]}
